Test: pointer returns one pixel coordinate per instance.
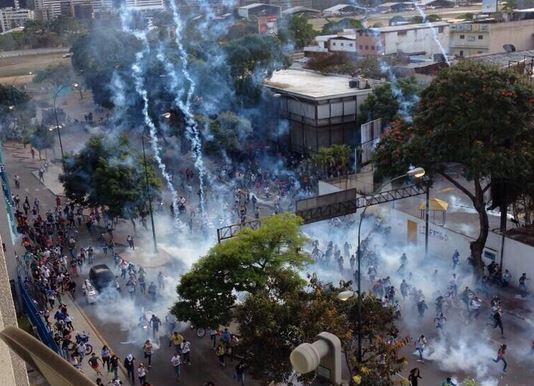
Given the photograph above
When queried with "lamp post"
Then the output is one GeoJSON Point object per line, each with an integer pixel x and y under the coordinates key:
{"type": "Point", "coordinates": [149, 195]}
{"type": "Point", "coordinates": [345, 295]}
{"type": "Point", "coordinates": [58, 127]}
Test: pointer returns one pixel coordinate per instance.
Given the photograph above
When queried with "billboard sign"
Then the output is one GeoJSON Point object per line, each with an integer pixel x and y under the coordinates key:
{"type": "Point", "coordinates": [267, 25]}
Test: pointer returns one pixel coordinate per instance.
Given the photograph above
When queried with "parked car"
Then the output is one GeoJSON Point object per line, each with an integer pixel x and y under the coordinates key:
{"type": "Point", "coordinates": [89, 292]}
{"type": "Point", "coordinates": [102, 277]}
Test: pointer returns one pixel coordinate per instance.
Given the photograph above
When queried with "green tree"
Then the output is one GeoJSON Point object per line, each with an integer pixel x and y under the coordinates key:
{"type": "Point", "coordinates": [332, 160]}
{"type": "Point", "coordinates": [16, 113]}
{"type": "Point", "coordinates": [370, 68]}
{"type": "Point", "coordinates": [107, 172]}
{"type": "Point", "coordinates": [56, 75]}
{"type": "Point", "coordinates": [455, 122]}
{"type": "Point", "coordinates": [100, 53]}
{"type": "Point", "coordinates": [42, 138]}
{"type": "Point", "coordinates": [229, 132]}
{"type": "Point", "coordinates": [302, 32]}
{"type": "Point", "coordinates": [270, 329]}
{"type": "Point", "coordinates": [386, 100]}
{"type": "Point", "coordinates": [260, 260]}
{"type": "Point", "coordinates": [252, 59]}
{"type": "Point", "coordinates": [433, 18]}
{"type": "Point", "coordinates": [333, 27]}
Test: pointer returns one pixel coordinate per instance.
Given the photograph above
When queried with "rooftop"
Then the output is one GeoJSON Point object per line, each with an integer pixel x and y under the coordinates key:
{"type": "Point", "coordinates": [299, 9]}
{"type": "Point", "coordinates": [391, 4]}
{"type": "Point", "coordinates": [406, 27]}
{"type": "Point", "coordinates": [339, 7]}
{"type": "Point", "coordinates": [503, 59]}
{"type": "Point", "coordinates": [256, 5]}
{"type": "Point", "coordinates": [312, 85]}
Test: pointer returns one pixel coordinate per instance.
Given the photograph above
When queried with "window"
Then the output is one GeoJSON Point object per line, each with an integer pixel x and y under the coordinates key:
{"type": "Point", "coordinates": [333, 43]}
{"type": "Point", "coordinates": [366, 47]}
{"type": "Point", "coordinates": [480, 37]}
{"type": "Point", "coordinates": [441, 29]}
{"type": "Point", "coordinates": [372, 48]}
{"type": "Point", "coordinates": [461, 53]}
{"type": "Point", "coordinates": [350, 44]}
{"type": "Point", "coordinates": [402, 33]}
{"type": "Point", "coordinates": [361, 47]}
{"type": "Point", "coordinates": [341, 44]}
{"type": "Point", "coordinates": [462, 36]}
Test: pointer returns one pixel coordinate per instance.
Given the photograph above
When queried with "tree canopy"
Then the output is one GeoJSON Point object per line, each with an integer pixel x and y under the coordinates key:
{"type": "Point", "coordinates": [387, 100]}
{"type": "Point", "coordinates": [476, 116]}
{"type": "Point", "coordinates": [263, 259]}
{"type": "Point", "coordinates": [16, 113]}
{"type": "Point", "coordinates": [108, 172]}
{"type": "Point", "coordinates": [56, 75]}
{"type": "Point", "coordinates": [301, 32]}
{"type": "Point", "coordinates": [254, 280]}
{"type": "Point", "coordinates": [253, 58]}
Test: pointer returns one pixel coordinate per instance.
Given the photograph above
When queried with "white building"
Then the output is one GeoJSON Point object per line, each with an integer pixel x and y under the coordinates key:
{"type": "Point", "coordinates": [14, 17]}
{"type": "Point", "coordinates": [343, 43]}
{"type": "Point", "coordinates": [413, 39]}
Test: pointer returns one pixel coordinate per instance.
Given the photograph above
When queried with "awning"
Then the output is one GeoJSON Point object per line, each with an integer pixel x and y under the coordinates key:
{"type": "Point", "coordinates": [435, 204]}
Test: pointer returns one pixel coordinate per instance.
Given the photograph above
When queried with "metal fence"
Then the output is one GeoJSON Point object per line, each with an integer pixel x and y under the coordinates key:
{"type": "Point", "coordinates": [31, 306]}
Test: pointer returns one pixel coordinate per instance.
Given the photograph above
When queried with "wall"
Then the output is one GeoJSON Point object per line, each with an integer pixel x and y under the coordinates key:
{"type": "Point", "coordinates": [416, 40]}
{"type": "Point", "coordinates": [342, 45]}
{"type": "Point", "coordinates": [442, 241]}
{"type": "Point", "coordinates": [13, 368]}
{"type": "Point", "coordinates": [518, 33]}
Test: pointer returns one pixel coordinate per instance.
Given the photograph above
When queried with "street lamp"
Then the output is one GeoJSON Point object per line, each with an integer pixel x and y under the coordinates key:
{"type": "Point", "coordinates": [58, 127]}
{"type": "Point", "coordinates": [149, 195]}
{"type": "Point", "coordinates": [345, 295]}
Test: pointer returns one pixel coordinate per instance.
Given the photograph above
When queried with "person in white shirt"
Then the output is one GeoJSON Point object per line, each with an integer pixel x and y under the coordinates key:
{"type": "Point", "coordinates": [185, 348]}
{"type": "Point", "coordinates": [176, 362]}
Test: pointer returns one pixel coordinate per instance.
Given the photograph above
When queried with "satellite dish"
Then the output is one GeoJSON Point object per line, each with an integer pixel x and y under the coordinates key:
{"type": "Point", "coordinates": [509, 48]}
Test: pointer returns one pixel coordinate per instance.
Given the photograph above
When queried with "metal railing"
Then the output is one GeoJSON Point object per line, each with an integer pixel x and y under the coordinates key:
{"type": "Point", "coordinates": [30, 306]}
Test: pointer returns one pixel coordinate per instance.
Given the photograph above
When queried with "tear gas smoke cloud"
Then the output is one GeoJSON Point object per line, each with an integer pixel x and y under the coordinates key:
{"type": "Point", "coordinates": [434, 32]}
{"type": "Point", "coordinates": [137, 71]}
{"type": "Point", "coordinates": [191, 127]}
{"type": "Point", "coordinates": [463, 348]}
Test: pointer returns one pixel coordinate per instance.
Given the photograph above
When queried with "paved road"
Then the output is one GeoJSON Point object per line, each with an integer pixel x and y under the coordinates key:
{"type": "Point", "coordinates": [35, 51]}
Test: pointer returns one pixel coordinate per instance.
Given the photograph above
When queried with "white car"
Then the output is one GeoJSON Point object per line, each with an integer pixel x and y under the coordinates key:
{"type": "Point", "coordinates": [89, 292]}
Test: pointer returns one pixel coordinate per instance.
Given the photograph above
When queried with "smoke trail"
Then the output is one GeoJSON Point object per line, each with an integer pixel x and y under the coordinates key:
{"type": "Point", "coordinates": [137, 72]}
{"type": "Point", "coordinates": [192, 131]}
{"type": "Point", "coordinates": [405, 104]}
{"type": "Point", "coordinates": [434, 32]}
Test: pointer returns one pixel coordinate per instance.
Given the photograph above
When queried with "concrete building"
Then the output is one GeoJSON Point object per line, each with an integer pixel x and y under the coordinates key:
{"type": "Point", "coordinates": [258, 10]}
{"type": "Point", "coordinates": [13, 371]}
{"type": "Point", "coordinates": [411, 39]}
{"type": "Point", "coordinates": [343, 43]}
{"type": "Point", "coordinates": [300, 10]}
{"type": "Point", "coordinates": [322, 110]}
{"type": "Point", "coordinates": [283, 4]}
{"type": "Point", "coordinates": [475, 38]}
{"type": "Point", "coordinates": [343, 10]}
{"type": "Point", "coordinates": [14, 17]}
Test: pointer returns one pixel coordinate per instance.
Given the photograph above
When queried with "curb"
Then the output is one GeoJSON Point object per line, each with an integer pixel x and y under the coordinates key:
{"type": "Point", "coordinates": [102, 339]}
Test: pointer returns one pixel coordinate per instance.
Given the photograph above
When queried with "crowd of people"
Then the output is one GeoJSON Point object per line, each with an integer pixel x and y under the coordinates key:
{"type": "Point", "coordinates": [400, 288]}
